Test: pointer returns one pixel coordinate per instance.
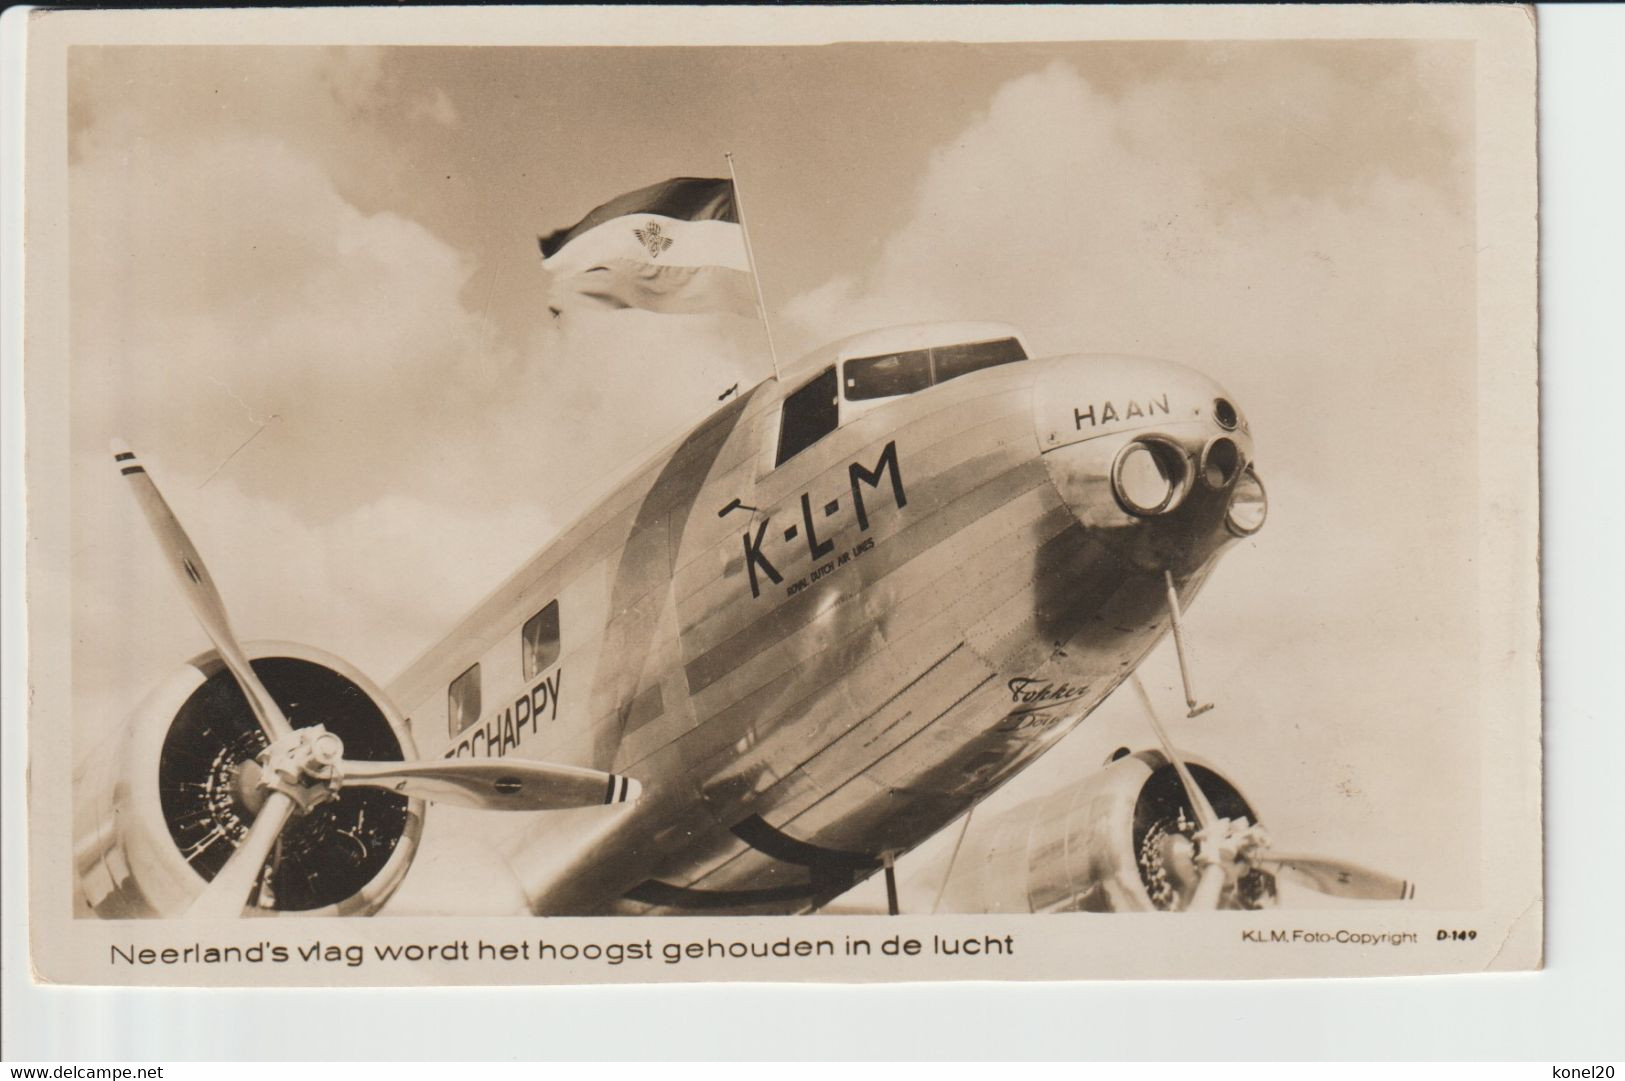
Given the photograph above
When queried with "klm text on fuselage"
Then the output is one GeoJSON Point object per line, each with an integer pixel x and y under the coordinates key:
{"type": "Point", "coordinates": [758, 562]}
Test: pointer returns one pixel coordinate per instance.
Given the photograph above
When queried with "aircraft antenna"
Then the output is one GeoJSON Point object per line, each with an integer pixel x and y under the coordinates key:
{"type": "Point", "coordinates": [750, 255]}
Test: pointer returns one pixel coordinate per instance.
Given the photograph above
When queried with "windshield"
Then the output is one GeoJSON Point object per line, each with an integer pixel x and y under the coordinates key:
{"type": "Point", "coordinates": [953, 361]}
{"type": "Point", "coordinates": [893, 374]}
{"type": "Point", "coordinates": [810, 414]}
{"type": "Point", "coordinates": [884, 377]}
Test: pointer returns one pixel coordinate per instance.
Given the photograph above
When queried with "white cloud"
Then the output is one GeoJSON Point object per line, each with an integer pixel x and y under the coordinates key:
{"type": "Point", "coordinates": [1100, 223]}
{"type": "Point", "coordinates": [226, 281]}
{"type": "Point", "coordinates": [385, 463]}
{"type": "Point", "coordinates": [1332, 295]}
{"type": "Point", "coordinates": [354, 75]}
{"type": "Point", "coordinates": [1114, 225]}
{"type": "Point", "coordinates": [436, 107]}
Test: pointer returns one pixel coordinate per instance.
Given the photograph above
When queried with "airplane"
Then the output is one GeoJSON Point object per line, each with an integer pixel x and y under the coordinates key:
{"type": "Point", "coordinates": [799, 641]}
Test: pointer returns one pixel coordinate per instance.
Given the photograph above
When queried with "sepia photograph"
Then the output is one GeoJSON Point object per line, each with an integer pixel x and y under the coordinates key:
{"type": "Point", "coordinates": [974, 505]}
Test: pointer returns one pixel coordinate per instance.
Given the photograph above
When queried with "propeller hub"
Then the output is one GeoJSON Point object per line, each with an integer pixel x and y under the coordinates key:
{"type": "Point", "coordinates": [326, 750]}
{"type": "Point", "coordinates": [304, 765]}
{"type": "Point", "coordinates": [248, 786]}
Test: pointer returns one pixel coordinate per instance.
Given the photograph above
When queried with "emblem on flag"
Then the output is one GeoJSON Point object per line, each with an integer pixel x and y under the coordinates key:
{"type": "Point", "coordinates": [625, 254]}
{"type": "Point", "coordinates": [653, 239]}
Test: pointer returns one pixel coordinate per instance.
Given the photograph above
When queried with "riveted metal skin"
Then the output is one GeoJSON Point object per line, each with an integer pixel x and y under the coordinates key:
{"type": "Point", "coordinates": [809, 665]}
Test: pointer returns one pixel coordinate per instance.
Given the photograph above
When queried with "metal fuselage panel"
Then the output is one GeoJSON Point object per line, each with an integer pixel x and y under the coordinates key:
{"type": "Point", "coordinates": [811, 665]}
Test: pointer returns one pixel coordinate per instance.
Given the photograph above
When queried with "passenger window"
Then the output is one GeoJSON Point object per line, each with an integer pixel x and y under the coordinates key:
{"type": "Point", "coordinates": [539, 641]}
{"type": "Point", "coordinates": [810, 414]}
{"type": "Point", "coordinates": [887, 376]}
{"type": "Point", "coordinates": [463, 700]}
{"type": "Point", "coordinates": [957, 360]}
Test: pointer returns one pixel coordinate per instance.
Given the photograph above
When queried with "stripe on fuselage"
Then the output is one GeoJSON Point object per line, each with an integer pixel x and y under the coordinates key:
{"type": "Point", "coordinates": [648, 562]}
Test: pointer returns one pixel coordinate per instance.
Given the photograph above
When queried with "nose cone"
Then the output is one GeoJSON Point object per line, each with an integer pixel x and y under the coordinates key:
{"type": "Point", "coordinates": [1150, 454]}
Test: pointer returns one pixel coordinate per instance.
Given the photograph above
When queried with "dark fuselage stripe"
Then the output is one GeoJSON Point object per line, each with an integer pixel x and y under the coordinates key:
{"type": "Point", "coordinates": [124, 456]}
{"type": "Point", "coordinates": [668, 503]}
{"type": "Point", "coordinates": [665, 895]}
{"type": "Point", "coordinates": [756, 832]}
{"type": "Point", "coordinates": [127, 470]}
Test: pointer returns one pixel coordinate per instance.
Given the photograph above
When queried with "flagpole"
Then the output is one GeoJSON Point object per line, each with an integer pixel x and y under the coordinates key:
{"type": "Point", "coordinates": [750, 255]}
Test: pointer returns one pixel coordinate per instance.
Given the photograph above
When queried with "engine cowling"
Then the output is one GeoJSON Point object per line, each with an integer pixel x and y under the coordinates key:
{"type": "Point", "coordinates": [1097, 846]}
{"type": "Point", "coordinates": [161, 807]}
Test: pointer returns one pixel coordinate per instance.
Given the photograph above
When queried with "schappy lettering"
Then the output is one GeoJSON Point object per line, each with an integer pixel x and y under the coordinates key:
{"type": "Point", "coordinates": [507, 729]}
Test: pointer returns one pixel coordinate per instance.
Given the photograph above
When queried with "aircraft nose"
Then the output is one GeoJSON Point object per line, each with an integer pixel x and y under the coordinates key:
{"type": "Point", "coordinates": [1149, 448]}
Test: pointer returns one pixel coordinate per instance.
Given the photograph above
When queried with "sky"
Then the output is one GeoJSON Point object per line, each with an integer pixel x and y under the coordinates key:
{"type": "Point", "coordinates": [305, 287]}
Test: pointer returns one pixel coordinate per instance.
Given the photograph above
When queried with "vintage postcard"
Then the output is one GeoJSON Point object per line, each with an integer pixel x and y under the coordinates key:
{"type": "Point", "coordinates": [634, 495]}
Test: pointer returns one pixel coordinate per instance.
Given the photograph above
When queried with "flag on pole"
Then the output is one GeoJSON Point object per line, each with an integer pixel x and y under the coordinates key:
{"type": "Point", "coordinates": [675, 247]}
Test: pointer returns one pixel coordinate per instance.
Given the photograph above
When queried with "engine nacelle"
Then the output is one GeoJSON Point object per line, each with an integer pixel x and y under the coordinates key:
{"type": "Point", "coordinates": [1096, 846]}
{"type": "Point", "coordinates": [160, 808]}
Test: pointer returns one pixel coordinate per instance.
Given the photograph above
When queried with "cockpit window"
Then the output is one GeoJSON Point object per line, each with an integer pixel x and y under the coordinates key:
{"type": "Point", "coordinates": [953, 361]}
{"type": "Point", "coordinates": [904, 373]}
{"type": "Point", "coordinates": [887, 376]}
{"type": "Point", "coordinates": [810, 414]}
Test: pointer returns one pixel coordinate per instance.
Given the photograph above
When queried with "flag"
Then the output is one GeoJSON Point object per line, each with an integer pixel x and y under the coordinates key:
{"type": "Point", "coordinates": [675, 247]}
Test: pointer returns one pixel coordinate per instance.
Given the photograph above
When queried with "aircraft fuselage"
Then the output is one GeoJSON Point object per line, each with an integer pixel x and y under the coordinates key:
{"type": "Point", "coordinates": [811, 665]}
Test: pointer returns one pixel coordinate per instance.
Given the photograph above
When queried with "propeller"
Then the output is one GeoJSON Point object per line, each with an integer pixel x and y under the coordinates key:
{"type": "Point", "coordinates": [1337, 878]}
{"type": "Point", "coordinates": [494, 784]}
{"type": "Point", "coordinates": [1224, 846]}
{"type": "Point", "coordinates": [228, 891]}
{"type": "Point", "coordinates": [305, 767]}
{"type": "Point", "coordinates": [199, 588]}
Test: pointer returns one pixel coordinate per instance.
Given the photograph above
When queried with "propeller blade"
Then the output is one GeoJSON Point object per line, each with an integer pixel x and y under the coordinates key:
{"type": "Point", "coordinates": [499, 784]}
{"type": "Point", "coordinates": [1339, 878]}
{"type": "Point", "coordinates": [1209, 889]}
{"type": "Point", "coordinates": [199, 587]}
{"type": "Point", "coordinates": [227, 893]}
